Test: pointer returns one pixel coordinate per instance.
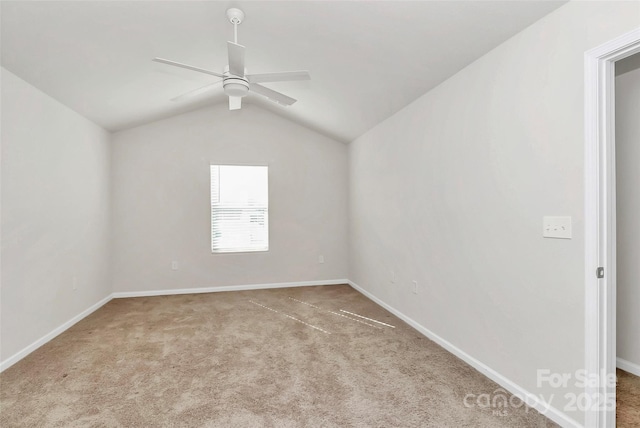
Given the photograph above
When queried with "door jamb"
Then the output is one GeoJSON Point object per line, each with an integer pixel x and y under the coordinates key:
{"type": "Point", "coordinates": [600, 226]}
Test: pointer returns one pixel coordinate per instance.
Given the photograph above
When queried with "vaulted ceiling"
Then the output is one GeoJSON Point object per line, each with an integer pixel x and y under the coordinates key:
{"type": "Point", "coordinates": [367, 59]}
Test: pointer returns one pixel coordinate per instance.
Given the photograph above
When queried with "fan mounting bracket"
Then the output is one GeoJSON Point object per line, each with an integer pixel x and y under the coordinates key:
{"type": "Point", "coordinates": [236, 16]}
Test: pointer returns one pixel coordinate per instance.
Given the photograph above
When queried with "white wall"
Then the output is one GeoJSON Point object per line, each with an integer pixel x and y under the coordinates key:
{"type": "Point", "coordinates": [55, 214]}
{"type": "Point", "coordinates": [451, 192]}
{"type": "Point", "coordinates": [628, 214]}
{"type": "Point", "coordinates": [162, 208]}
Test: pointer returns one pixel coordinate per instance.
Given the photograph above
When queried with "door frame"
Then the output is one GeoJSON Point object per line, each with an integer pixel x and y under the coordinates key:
{"type": "Point", "coordinates": [600, 225]}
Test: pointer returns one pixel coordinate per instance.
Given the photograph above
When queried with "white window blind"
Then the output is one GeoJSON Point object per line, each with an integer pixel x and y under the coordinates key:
{"type": "Point", "coordinates": [239, 208]}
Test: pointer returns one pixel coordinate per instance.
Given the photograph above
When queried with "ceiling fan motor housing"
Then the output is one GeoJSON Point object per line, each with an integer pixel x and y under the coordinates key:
{"type": "Point", "coordinates": [235, 86]}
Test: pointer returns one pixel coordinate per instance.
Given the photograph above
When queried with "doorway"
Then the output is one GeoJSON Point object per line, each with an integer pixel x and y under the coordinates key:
{"type": "Point", "coordinates": [600, 227]}
{"type": "Point", "coordinates": [627, 211]}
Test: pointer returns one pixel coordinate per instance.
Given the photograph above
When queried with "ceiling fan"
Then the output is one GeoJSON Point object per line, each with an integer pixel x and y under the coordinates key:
{"type": "Point", "coordinates": [235, 82]}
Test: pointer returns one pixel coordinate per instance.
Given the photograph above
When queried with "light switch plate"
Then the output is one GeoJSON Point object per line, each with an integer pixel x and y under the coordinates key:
{"type": "Point", "coordinates": [556, 227]}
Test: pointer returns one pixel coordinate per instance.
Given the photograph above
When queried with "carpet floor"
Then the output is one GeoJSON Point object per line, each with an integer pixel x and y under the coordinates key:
{"type": "Point", "coordinates": [296, 357]}
{"type": "Point", "coordinates": [628, 400]}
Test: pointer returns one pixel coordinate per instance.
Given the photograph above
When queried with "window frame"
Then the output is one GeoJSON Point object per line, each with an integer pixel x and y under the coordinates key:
{"type": "Point", "coordinates": [257, 164]}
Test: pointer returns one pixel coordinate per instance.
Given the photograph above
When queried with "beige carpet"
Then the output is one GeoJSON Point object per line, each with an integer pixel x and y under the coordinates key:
{"type": "Point", "coordinates": [628, 400]}
{"type": "Point", "coordinates": [248, 359]}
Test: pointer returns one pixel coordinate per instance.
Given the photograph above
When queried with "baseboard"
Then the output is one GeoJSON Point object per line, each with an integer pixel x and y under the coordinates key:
{"type": "Point", "coordinates": [552, 413]}
{"type": "Point", "coordinates": [150, 293]}
{"type": "Point", "coordinates": [628, 366]}
{"type": "Point", "coordinates": [47, 337]}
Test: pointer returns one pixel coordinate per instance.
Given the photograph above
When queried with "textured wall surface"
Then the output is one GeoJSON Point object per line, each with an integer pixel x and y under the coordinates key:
{"type": "Point", "coordinates": [55, 214]}
{"type": "Point", "coordinates": [451, 192]}
{"type": "Point", "coordinates": [161, 201]}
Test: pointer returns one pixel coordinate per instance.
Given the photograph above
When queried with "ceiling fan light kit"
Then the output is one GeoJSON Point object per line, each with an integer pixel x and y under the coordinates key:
{"type": "Point", "coordinates": [235, 86]}
{"type": "Point", "coordinates": [235, 82]}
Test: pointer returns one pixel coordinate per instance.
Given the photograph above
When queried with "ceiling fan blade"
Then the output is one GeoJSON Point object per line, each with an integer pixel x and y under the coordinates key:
{"type": "Point", "coordinates": [271, 94]}
{"type": "Point", "coordinates": [235, 103]}
{"type": "Point", "coordinates": [236, 59]}
{"type": "Point", "coordinates": [188, 67]}
{"type": "Point", "coordinates": [197, 91]}
{"type": "Point", "coordinates": [279, 77]}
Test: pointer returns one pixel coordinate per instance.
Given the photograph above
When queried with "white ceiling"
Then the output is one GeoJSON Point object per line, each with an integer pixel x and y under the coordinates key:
{"type": "Point", "coordinates": [367, 59]}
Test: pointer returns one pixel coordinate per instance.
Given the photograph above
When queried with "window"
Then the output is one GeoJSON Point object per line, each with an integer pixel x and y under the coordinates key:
{"type": "Point", "coordinates": [239, 208]}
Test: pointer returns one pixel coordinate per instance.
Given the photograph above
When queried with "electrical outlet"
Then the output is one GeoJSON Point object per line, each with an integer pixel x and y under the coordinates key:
{"type": "Point", "coordinates": [321, 259]}
{"type": "Point", "coordinates": [393, 277]}
{"type": "Point", "coordinates": [75, 283]}
{"type": "Point", "coordinates": [415, 287]}
{"type": "Point", "coordinates": [174, 265]}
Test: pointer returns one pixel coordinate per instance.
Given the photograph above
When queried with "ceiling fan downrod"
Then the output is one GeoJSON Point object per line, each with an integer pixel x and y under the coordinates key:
{"type": "Point", "coordinates": [236, 16]}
